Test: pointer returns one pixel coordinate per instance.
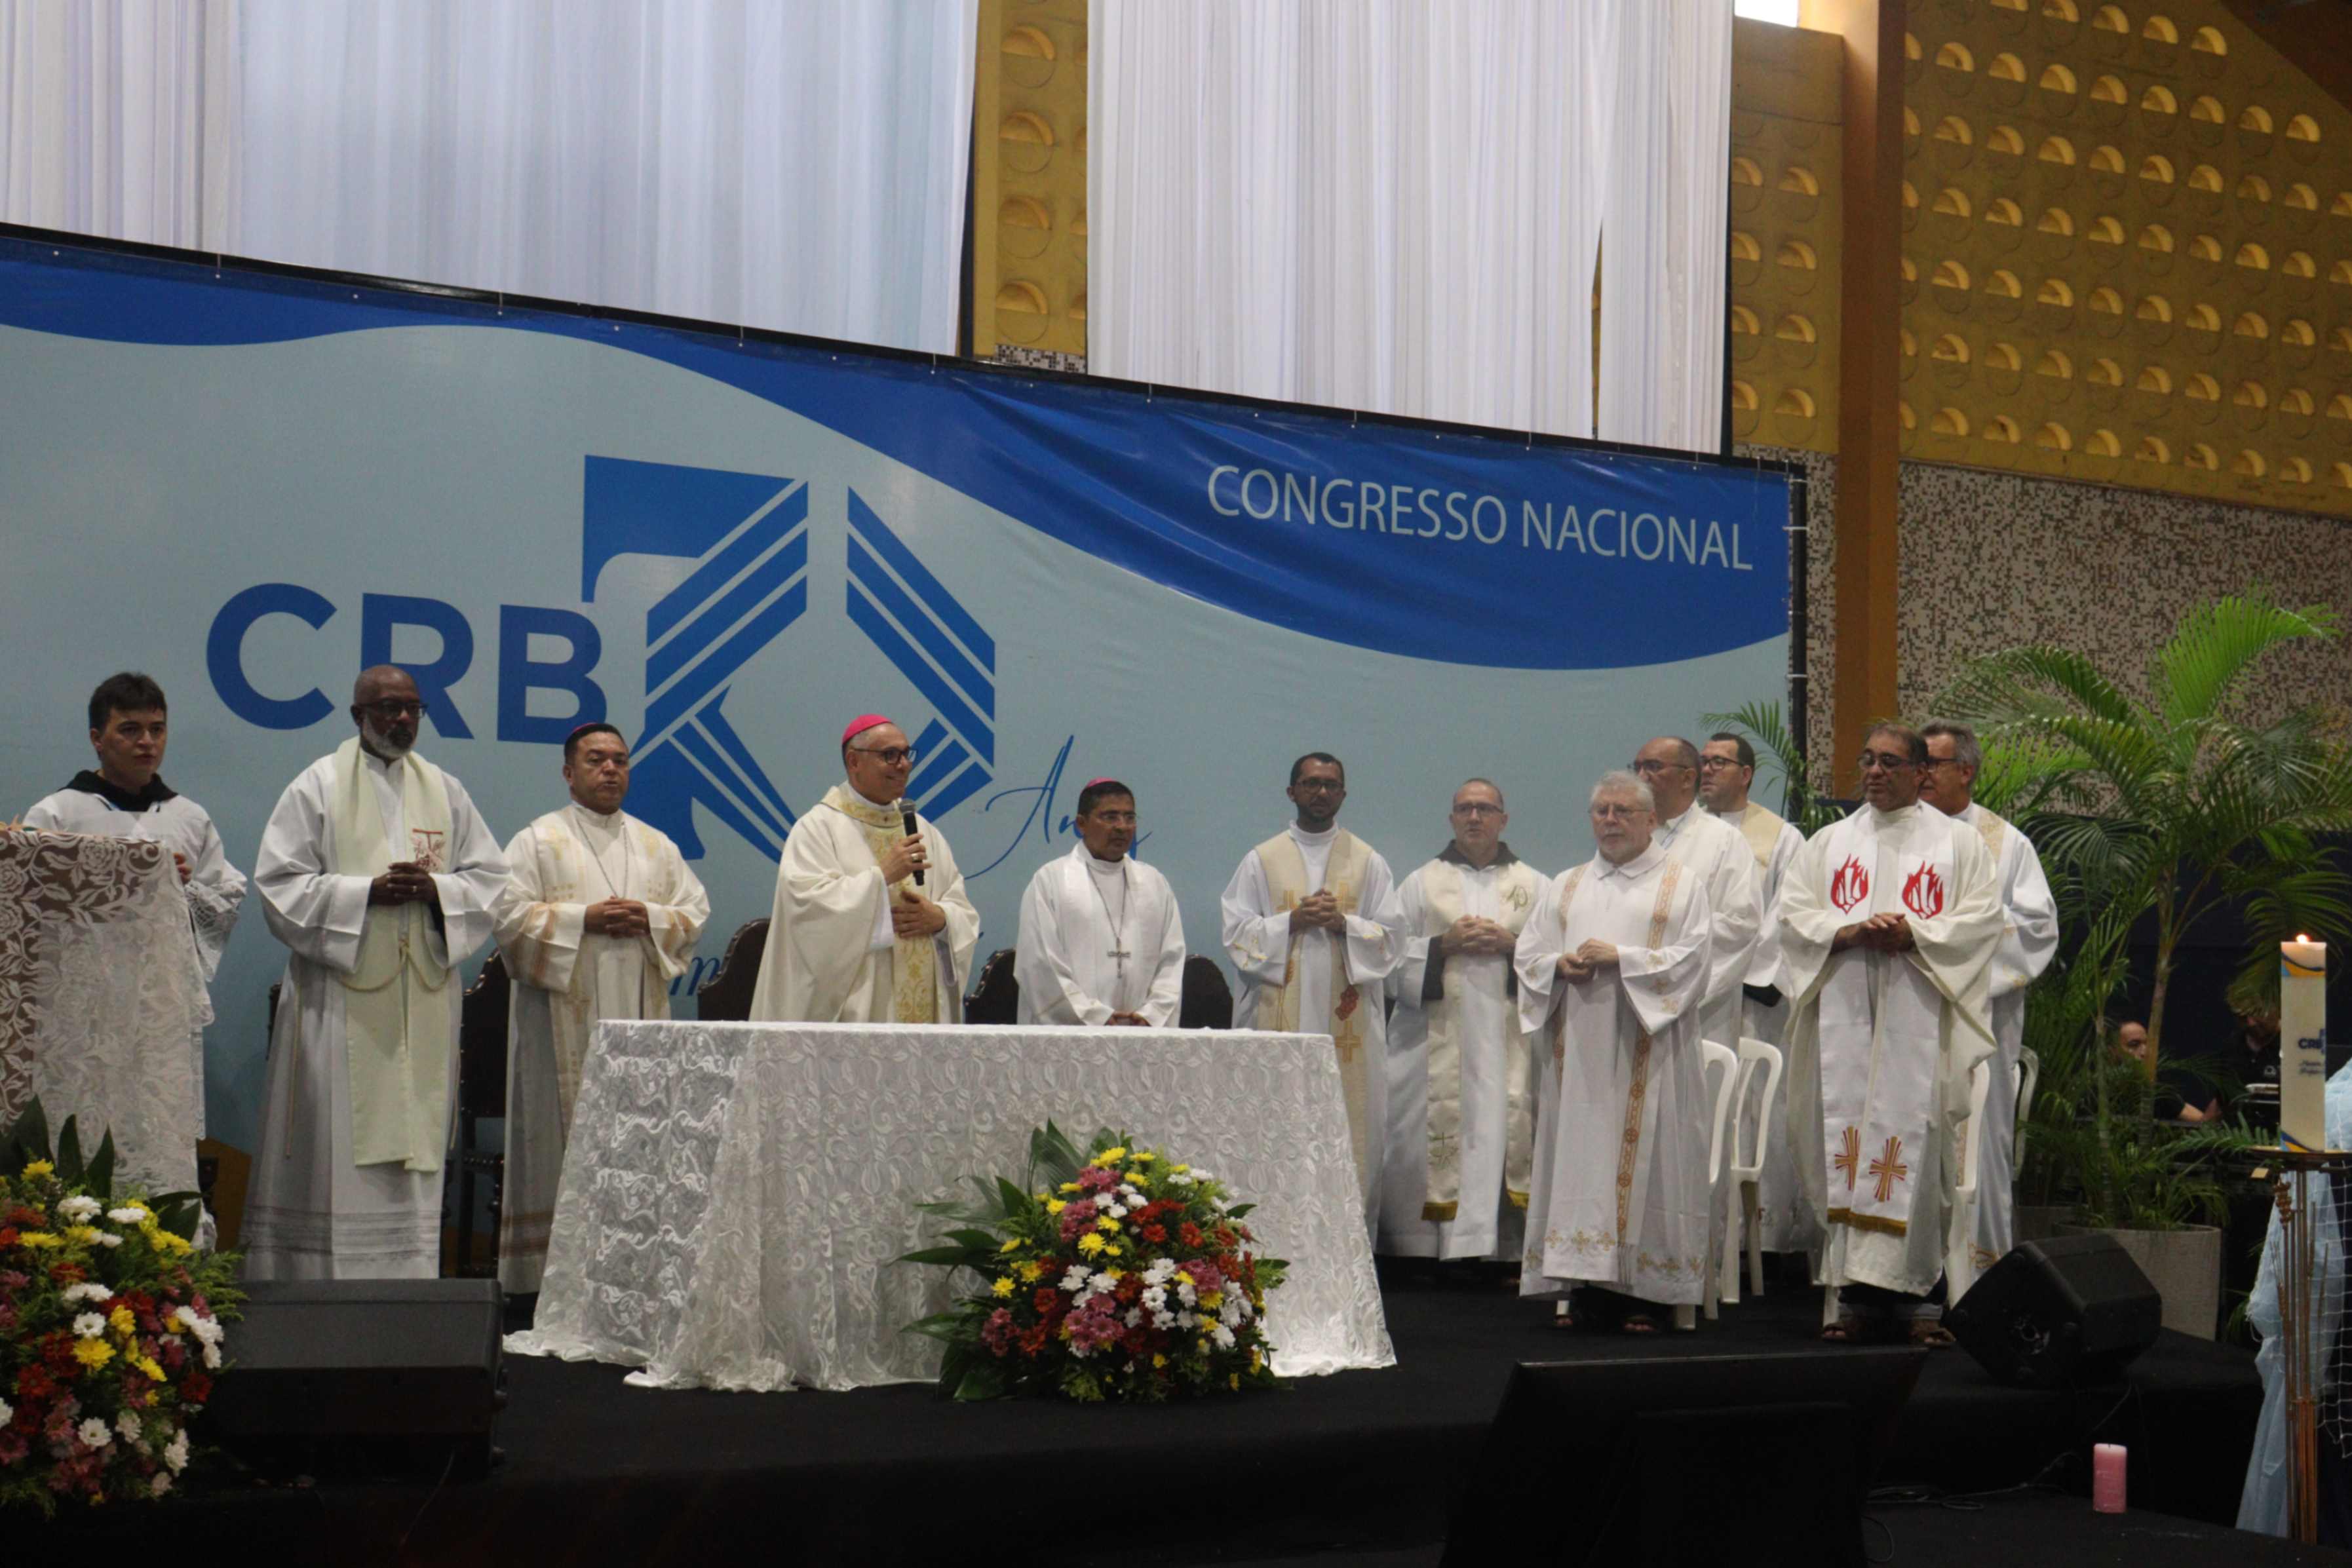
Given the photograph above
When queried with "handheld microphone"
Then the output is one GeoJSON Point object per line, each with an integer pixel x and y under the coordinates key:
{"type": "Point", "coordinates": [909, 818]}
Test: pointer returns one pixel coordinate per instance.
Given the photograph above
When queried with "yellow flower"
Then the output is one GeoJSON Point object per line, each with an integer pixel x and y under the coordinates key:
{"type": "Point", "coordinates": [1004, 1286]}
{"type": "Point", "coordinates": [123, 1322]}
{"type": "Point", "coordinates": [1113, 1275]}
{"type": "Point", "coordinates": [1056, 1207]}
{"type": "Point", "coordinates": [1179, 1170]}
{"type": "Point", "coordinates": [1031, 1271]}
{"type": "Point", "coordinates": [93, 1353]}
{"type": "Point", "coordinates": [1257, 1358]}
{"type": "Point", "coordinates": [1012, 1244]}
{"type": "Point", "coordinates": [1111, 1156]}
{"type": "Point", "coordinates": [1069, 1186]}
{"type": "Point", "coordinates": [1235, 1381]}
{"type": "Point", "coordinates": [1144, 1157]}
{"type": "Point", "coordinates": [39, 1238]}
{"type": "Point", "coordinates": [39, 1168]}
{"type": "Point", "coordinates": [1113, 1251]}
{"type": "Point", "coordinates": [1183, 1278]}
{"type": "Point", "coordinates": [1138, 1179]}
{"type": "Point", "coordinates": [1107, 1224]}
{"type": "Point", "coordinates": [163, 1242]}
{"type": "Point", "coordinates": [1090, 1243]}
{"type": "Point", "coordinates": [85, 1234]}
{"type": "Point", "coordinates": [1213, 1300]}
{"type": "Point", "coordinates": [1159, 1360]}
{"type": "Point", "coordinates": [147, 1365]}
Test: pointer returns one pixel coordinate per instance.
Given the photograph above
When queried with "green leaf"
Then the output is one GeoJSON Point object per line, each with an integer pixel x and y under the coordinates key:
{"type": "Point", "coordinates": [69, 1166]}
{"type": "Point", "coordinates": [982, 1382]}
{"type": "Point", "coordinates": [100, 1174]}
{"type": "Point", "coordinates": [31, 1137]}
{"type": "Point", "coordinates": [1015, 1201]}
{"type": "Point", "coordinates": [940, 1257]}
{"type": "Point", "coordinates": [985, 1242]}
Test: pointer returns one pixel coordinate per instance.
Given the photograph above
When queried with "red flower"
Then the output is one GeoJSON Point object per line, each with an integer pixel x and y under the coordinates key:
{"type": "Point", "coordinates": [1045, 1298]}
{"type": "Point", "coordinates": [33, 1385]}
{"type": "Point", "coordinates": [8, 1237]}
{"type": "Point", "coordinates": [31, 1218]}
{"type": "Point", "coordinates": [1189, 1233]}
{"type": "Point", "coordinates": [57, 1353]}
{"type": "Point", "coordinates": [67, 1273]}
{"type": "Point", "coordinates": [1155, 1233]}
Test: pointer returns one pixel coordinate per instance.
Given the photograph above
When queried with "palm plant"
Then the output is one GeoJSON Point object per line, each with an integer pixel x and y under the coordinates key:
{"type": "Point", "coordinates": [2179, 805]}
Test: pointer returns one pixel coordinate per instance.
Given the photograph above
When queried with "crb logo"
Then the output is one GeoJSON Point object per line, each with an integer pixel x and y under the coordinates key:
{"type": "Point", "coordinates": [748, 537]}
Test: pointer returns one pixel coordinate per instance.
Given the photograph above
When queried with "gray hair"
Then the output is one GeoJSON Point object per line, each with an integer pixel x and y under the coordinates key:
{"type": "Point", "coordinates": [1617, 781]}
{"type": "Point", "coordinates": [1965, 749]}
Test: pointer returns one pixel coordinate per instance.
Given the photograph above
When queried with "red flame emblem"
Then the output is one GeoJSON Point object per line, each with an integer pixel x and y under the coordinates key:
{"type": "Point", "coordinates": [1850, 887]}
{"type": "Point", "coordinates": [1923, 896]}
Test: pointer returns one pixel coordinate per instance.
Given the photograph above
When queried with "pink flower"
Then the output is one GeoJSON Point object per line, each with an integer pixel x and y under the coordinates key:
{"type": "Point", "coordinates": [1076, 1219]}
{"type": "Point", "coordinates": [13, 1447]}
{"type": "Point", "coordinates": [998, 1331]}
{"type": "Point", "coordinates": [1094, 1178]}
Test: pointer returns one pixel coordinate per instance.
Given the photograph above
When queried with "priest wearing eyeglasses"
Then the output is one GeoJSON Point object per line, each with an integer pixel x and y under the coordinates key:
{"type": "Point", "coordinates": [871, 923]}
{"type": "Point", "coordinates": [379, 875]}
{"type": "Point", "coordinates": [1889, 922]}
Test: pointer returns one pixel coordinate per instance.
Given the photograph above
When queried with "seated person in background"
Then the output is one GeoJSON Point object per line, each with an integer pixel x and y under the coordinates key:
{"type": "Point", "coordinates": [2181, 1096]}
{"type": "Point", "coordinates": [2258, 1037]}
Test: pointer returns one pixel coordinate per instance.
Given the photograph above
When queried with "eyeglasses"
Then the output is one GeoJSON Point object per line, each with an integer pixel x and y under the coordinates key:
{"type": "Point", "coordinates": [891, 755]}
{"type": "Point", "coordinates": [1933, 763]}
{"type": "Point", "coordinates": [1890, 761]}
{"type": "Point", "coordinates": [1610, 810]}
{"type": "Point", "coordinates": [1717, 764]}
{"type": "Point", "coordinates": [1321, 786]}
{"type": "Point", "coordinates": [392, 707]}
{"type": "Point", "coordinates": [1656, 766]}
{"type": "Point", "coordinates": [1477, 809]}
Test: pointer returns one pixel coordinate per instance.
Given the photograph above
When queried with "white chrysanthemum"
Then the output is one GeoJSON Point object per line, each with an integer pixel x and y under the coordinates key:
{"type": "Point", "coordinates": [1160, 1271]}
{"type": "Point", "coordinates": [1186, 1294]}
{"type": "Point", "coordinates": [90, 1326]}
{"type": "Point", "coordinates": [212, 1358]}
{"type": "Point", "coordinates": [1200, 1174]}
{"type": "Point", "coordinates": [1134, 1316]}
{"type": "Point", "coordinates": [130, 1214]}
{"type": "Point", "coordinates": [1155, 1296]}
{"type": "Point", "coordinates": [1219, 1205]}
{"type": "Point", "coordinates": [109, 1239]}
{"type": "Point", "coordinates": [160, 1484]}
{"type": "Point", "coordinates": [127, 1423]}
{"type": "Point", "coordinates": [1163, 1319]}
{"type": "Point", "coordinates": [1076, 1278]}
{"type": "Point", "coordinates": [7, 1412]}
{"type": "Point", "coordinates": [1185, 1320]}
{"type": "Point", "coordinates": [1232, 1316]}
{"type": "Point", "coordinates": [79, 1208]}
{"type": "Point", "coordinates": [176, 1454]}
{"type": "Point", "coordinates": [94, 1434]}
{"type": "Point", "coordinates": [1223, 1336]}
{"type": "Point", "coordinates": [1116, 1211]}
{"type": "Point", "coordinates": [88, 1290]}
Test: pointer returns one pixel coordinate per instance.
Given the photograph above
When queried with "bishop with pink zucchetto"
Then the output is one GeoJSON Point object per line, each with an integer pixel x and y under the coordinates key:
{"type": "Point", "coordinates": [871, 923]}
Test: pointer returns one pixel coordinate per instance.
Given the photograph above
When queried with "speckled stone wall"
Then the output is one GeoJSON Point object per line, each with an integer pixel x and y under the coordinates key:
{"type": "Point", "coordinates": [1989, 559]}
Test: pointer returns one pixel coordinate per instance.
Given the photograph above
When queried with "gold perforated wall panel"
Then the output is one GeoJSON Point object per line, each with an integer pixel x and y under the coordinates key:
{"type": "Point", "coordinates": [1785, 227]}
{"type": "Point", "coordinates": [1029, 181]}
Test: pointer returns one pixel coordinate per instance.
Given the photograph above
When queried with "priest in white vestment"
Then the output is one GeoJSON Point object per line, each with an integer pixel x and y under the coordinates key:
{"type": "Point", "coordinates": [1462, 1073]}
{"type": "Point", "coordinates": [1723, 861]}
{"type": "Point", "coordinates": [378, 874]}
{"type": "Point", "coordinates": [1889, 920]}
{"type": "Point", "coordinates": [1101, 942]}
{"type": "Point", "coordinates": [2029, 941]}
{"type": "Point", "coordinates": [125, 798]}
{"type": "Point", "coordinates": [1311, 922]}
{"type": "Point", "coordinates": [599, 914]}
{"type": "Point", "coordinates": [1614, 968]}
{"type": "Point", "coordinates": [1726, 774]}
{"type": "Point", "coordinates": [871, 922]}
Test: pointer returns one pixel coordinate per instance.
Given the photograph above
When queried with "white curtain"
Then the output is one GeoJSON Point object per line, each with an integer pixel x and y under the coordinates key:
{"type": "Point", "coordinates": [1394, 205]}
{"type": "Point", "coordinates": [795, 165]}
{"type": "Point", "coordinates": [115, 117]}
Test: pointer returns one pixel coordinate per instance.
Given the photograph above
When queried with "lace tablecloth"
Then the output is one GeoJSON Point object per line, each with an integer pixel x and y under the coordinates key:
{"type": "Point", "coordinates": [733, 1194]}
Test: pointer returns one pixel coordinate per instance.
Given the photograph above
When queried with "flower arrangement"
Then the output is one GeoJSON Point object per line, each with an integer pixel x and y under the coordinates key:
{"type": "Point", "coordinates": [110, 1325]}
{"type": "Point", "coordinates": [1115, 1274]}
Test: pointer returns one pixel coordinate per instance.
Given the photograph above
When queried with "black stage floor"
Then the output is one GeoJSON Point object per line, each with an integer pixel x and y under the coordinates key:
{"type": "Point", "coordinates": [1357, 1467]}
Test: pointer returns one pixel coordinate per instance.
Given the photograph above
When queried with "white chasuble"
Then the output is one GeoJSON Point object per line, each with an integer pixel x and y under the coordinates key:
{"type": "Point", "coordinates": [1318, 982]}
{"type": "Point", "coordinates": [1462, 1072]}
{"type": "Point", "coordinates": [215, 890]}
{"type": "Point", "coordinates": [1775, 843]}
{"type": "Point", "coordinates": [1726, 866]}
{"type": "Point", "coordinates": [1099, 937]}
{"type": "Point", "coordinates": [363, 1064]}
{"type": "Point", "coordinates": [2029, 940]}
{"type": "Point", "coordinates": [1881, 1043]}
{"type": "Point", "coordinates": [832, 955]}
{"type": "Point", "coordinates": [1619, 1195]}
{"type": "Point", "coordinates": [566, 979]}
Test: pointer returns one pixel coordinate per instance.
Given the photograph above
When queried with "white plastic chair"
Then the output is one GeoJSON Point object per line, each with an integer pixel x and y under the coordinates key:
{"type": "Point", "coordinates": [1743, 1208]}
{"type": "Point", "coordinates": [1722, 1064]}
{"type": "Point", "coordinates": [1960, 1262]}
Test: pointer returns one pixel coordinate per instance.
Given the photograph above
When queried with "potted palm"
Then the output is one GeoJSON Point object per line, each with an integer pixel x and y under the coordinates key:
{"type": "Point", "coordinates": [2170, 807]}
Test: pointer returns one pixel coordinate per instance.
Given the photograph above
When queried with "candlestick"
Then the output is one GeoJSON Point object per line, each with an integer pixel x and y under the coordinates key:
{"type": "Point", "coordinates": [2302, 1043]}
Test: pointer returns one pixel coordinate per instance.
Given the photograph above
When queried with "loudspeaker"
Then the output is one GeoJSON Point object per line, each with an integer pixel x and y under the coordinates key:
{"type": "Point", "coordinates": [326, 1365]}
{"type": "Point", "coordinates": [2074, 1309]}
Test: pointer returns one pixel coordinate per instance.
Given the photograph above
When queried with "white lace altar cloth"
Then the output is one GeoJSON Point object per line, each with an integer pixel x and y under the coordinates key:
{"type": "Point", "coordinates": [733, 1194]}
{"type": "Point", "coordinates": [100, 991]}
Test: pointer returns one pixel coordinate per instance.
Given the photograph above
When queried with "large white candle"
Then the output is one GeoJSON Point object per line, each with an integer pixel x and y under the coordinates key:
{"type": "Point", "coordinates": [2302, 1043]}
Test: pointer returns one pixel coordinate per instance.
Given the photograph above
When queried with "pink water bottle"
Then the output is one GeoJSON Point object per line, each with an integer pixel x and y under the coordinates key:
{"type": "Point", "coordinates": [2107, 1478]}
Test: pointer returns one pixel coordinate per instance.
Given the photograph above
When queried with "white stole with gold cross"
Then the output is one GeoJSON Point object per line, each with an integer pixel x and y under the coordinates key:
{"type": "Point", "coordinates": [1516, 888]}
{"type": "Point", "coordinates": [1278, 1009]}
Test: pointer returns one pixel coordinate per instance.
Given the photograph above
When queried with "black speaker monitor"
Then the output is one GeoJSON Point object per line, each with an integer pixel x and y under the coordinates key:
{"type": "Point", "coordinates": [2072, 1308]}
{"type": "Point", "coordinates": [1753, 1460]}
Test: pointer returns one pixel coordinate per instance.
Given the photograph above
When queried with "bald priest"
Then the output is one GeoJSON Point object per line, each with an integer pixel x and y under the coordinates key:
{"type": "Point", "coordinates": [871, 922]}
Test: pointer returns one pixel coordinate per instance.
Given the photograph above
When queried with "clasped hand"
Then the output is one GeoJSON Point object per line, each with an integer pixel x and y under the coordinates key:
{"type": "Point", "coordinates": [915, 915]}
{"type": "Point", "coordinates": [1588, 960]}
{"type": "Point", "coordinates": [1884, 932]}
{"type": "Point", "coordinates": [405, 881]}
{"type": "Point", "coordinates": [1478, 937]}
{"type": "Point", "coordinates": [616, 918]}
{"type": "Point", "coordinates": [1319, 911]}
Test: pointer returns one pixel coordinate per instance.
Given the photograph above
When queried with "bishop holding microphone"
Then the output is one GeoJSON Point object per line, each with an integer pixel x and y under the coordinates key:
{"type": "Point", "coordinates": [871, 923]}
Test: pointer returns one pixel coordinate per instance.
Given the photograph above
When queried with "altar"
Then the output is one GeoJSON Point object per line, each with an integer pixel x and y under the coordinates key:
{"type": "Point", "coordinates": [733, 1194]}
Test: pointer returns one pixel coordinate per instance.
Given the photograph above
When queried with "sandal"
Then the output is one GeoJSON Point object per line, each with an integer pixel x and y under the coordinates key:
{"type": "Point", "coordinates": [1637, 1323]}
{"type": "Point", "coordinates": [1929, 1335]}
{"type": "Point", "coordinates": [1845, 1330]}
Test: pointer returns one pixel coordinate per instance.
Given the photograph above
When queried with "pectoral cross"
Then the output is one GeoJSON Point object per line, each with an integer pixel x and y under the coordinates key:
{"type": "Point", "coordinates": [1119, 956]}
